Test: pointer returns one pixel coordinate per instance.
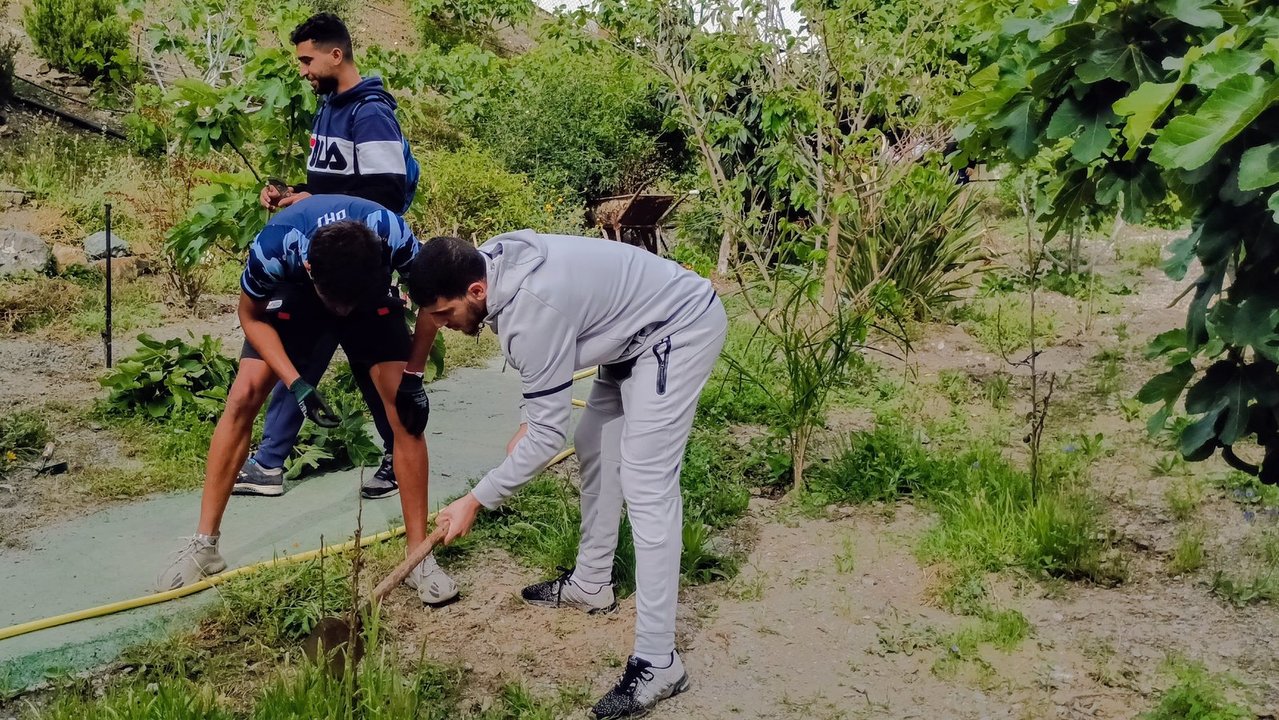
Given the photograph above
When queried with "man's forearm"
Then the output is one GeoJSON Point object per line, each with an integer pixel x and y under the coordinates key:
{"type": "Point", "coordinates": [423, 339]}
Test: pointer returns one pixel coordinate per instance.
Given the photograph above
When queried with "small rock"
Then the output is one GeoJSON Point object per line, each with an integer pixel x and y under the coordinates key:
{"type": "Point", "coordinates": [79, 92]}
{"type": "Point", "coordinates": [153, 687]}
{"type": "Point", "coordinates": [8, 498]}
{"type": "Point", "coordinates": [126, 268]}
{"type": "Point", "coordinates": [66, 257]}
{"type": "Point", "coordinates": [44, 69]}
{"type": "Point", "coordinates": [95, 246]}
{"type": "Point", "coordinates": [22, 251]}
{"type": "Point", "coordinates": [11, 197]}
{"type": "Point", "coordinates": [1060, 678]}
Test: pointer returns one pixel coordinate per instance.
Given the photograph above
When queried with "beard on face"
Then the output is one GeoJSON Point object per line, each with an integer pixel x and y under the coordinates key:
{"type": "Point", "coordinates": [474, 323]}
{"type": "Point", "coordinates": [325, 85]}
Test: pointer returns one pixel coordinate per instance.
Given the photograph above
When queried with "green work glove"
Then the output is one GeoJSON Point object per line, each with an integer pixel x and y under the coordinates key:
{"type": "Point", "coordinates": [412, 404]}
{"type": "Point", "coordinates": [312, 404]}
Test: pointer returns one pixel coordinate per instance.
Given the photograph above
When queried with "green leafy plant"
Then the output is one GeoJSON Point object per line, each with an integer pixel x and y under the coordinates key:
{"type": "Point", "coordinates": [85, 37]}
{"type": "Point", "coordinates": [814, 345]}
{"type": "Point", "coordinates": [246, 104]}
{"type": "Point", "coordinates": [338, 448]}
{"type": "Point", "coordinates": [163, 378]}
{"type": "Point", "coordinates": [1134, 102]}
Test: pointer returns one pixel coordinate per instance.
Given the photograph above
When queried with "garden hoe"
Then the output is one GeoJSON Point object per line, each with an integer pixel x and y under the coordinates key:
{"type": "Point", "coordinates": [330, 637]}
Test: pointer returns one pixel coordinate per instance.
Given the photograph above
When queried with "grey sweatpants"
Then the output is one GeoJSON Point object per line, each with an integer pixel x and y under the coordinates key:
{"type": "Point", "coordinates": [630, 443]}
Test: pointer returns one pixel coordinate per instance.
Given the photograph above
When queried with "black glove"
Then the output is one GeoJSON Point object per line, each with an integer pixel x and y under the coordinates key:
{"type": "Point", "coordinates": [412, 404]}
{"type": "Point", "coordinates": [312, 405]}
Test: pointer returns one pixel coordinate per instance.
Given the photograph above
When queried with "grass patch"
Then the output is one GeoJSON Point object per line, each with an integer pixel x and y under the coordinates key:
{"type": "Point", "coordinates": [170, 456]}
{"type": "Point", "coordinates": [1256, 579]}
{"type": "Point", "coordinates": [1143, 254]}
{"type": "Point", "coordinates": [1188, 553]}
{"type": "Point", "coordinates": [997, 390]}
{"type": "Point", "coordinates": [1001, 324]}
{"type": "Point", "coordinates": [955, 386]}
{"type": "Point", "coordinates": [23, 434]}
{"type": "Point", "coordinates": [1196, 695]}
{"type": "Point", "coordinates": [73, 306]}
{"type": "Point", "coordinates": [383, 689]}
{"type": "Point", "coordinates": [1184, 497]}
{"type": "Point", "coordinates": [464, 351]}
{"type": "Point", "coordinates": [31, 302]}
{"type": "Point", "coordinates": [990, 516]}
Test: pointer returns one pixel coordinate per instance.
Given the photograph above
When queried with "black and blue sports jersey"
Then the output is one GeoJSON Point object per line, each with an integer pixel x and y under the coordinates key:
{"type": "Point", "coordinates": [280, 249]}
{"type": "Point", "coordinates": [357, 146]}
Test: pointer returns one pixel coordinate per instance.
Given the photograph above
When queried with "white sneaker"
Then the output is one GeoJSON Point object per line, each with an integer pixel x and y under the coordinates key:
{"type": "Point", "coordinates": [434, 587]}
{"type": "Point", "coordinates": [197, 559]}
{"type": "Point", "coordinates": [564, 591]}
{"type": "Point", "coordinates": [642, 686]}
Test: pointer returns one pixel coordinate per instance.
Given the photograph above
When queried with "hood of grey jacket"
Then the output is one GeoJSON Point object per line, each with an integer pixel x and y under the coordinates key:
{"type": "Point", "coordinates": [561, 303]}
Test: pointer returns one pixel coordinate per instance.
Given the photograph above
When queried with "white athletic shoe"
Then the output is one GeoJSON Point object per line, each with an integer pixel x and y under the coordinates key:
{"type": "Point", "coordinates": [433, 585]}
{"type": "Point", "coordinates": [197, 559]}
{"type": "Point", "coordinates": [564, 591]}
{"type": "Point", "coordinates": [642, 686]}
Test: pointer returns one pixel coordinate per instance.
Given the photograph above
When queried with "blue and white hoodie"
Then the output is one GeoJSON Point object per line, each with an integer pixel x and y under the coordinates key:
{"type": "Point", "coordinates": [356, 146]}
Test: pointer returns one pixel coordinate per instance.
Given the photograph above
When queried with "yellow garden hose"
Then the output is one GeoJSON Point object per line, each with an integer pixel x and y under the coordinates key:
{"type": "Point", "coordinates": [215, 580]}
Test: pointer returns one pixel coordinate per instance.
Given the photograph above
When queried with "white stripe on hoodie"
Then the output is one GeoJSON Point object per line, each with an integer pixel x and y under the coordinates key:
{"type": "Point", "coordinates": [560, 303]}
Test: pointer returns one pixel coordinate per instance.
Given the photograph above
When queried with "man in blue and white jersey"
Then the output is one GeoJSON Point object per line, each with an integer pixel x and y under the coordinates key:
{"type": "Point", "coordinates": [323, 267]}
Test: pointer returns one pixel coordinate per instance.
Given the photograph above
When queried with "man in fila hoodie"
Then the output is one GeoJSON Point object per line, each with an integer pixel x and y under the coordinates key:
{"type": "Point", "coordinates": [559, 304]}
{"type": "Point", "coordinates": [357, 149]}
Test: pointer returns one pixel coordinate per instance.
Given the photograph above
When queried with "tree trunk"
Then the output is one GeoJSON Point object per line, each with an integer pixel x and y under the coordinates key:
{"type": "Point", "coordinates": [799, 450]}
{"type": "Point", "coordinates": [830, 283]}
{"type": "Point", "coordinates": [725, 252]}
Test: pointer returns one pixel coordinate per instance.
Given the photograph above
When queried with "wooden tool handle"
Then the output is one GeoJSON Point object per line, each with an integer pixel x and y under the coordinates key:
{"type": "Point", "coordinates": [414, 559]}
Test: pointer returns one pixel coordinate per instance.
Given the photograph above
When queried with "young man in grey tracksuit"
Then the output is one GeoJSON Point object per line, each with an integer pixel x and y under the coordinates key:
{"type": "Point", "coordinates": [560, 304]}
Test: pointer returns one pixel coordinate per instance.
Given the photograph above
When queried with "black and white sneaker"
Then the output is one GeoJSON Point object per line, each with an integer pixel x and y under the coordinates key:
{"type": "Point", "coordinates": [642, 686]}
{"type": "Point", "coordinates": [381, 484]}
{"type": "Point", "coordinates": [253, 479]}
{"type": "Point", "coordinates": [564, 591]}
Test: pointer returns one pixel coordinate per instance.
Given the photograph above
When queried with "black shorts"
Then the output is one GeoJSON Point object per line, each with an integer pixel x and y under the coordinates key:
{"type": "Point", "coordinates": [370, 335]}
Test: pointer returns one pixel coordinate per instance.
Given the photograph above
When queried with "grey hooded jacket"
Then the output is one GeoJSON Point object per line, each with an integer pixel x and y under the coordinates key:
{"type": "Point", "coordinates": [559, 304]}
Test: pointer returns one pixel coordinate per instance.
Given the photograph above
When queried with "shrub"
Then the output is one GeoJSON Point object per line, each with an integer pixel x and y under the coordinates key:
{"type": "Point", "coordinates": [928, 230]}
{"type": "Point", "coordinates": [164, 378]}
{"type": "Point", "coordinates": [85, 37]}
{"type": "Point", "coordinates": [577, 118]}
{"type": "Point", "coordinates": [467, 193]}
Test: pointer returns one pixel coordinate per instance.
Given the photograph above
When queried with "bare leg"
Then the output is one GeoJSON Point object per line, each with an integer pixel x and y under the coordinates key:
{"type": "Point", "coordinates": [412, 466]}
{"type": "Point", "coordinates": [231, 440]}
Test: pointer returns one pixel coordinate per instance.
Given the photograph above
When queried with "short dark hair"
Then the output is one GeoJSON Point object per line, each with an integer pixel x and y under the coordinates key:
{"type": "Point", "coordinates": [444, 268]}
{"type": "Point", "coordinates": [324, 29]}
{"type": "Point", "coordinates": [348, 263]}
